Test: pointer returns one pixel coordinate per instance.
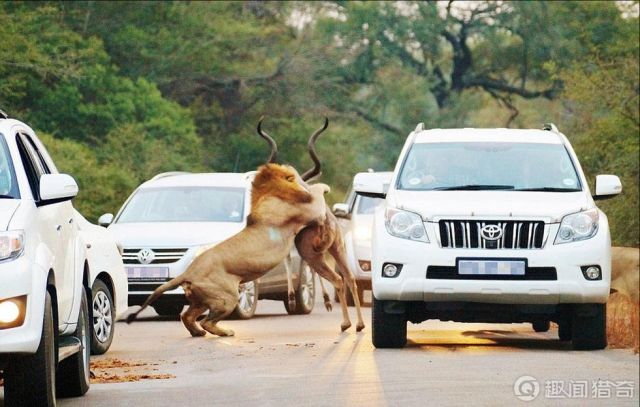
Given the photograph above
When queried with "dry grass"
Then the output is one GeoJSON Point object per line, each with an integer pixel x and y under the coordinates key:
{"type": "Point", "coordinates": [113, 370]}
{"type": "Point", "coordinates": [622, 322]}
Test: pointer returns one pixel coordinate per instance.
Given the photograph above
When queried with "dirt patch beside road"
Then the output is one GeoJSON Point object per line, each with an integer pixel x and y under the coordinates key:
{"type": "Point", "coordinates": [120, 371]}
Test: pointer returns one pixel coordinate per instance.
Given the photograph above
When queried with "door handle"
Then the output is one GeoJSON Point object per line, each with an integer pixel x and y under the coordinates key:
{"type": "Point", "coordinates": [58, 228]}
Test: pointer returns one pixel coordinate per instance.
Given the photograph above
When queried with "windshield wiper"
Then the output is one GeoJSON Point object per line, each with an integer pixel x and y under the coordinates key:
{"type": "Point", "coordinates": [548, 189]}
{"type": "Point", "coordinates": [474, 187]}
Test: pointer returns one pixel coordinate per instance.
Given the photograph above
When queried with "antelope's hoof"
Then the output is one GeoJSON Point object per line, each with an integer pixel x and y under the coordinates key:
{"type": "Point", "coordinates": [359, 327]}
{"type": "Point", "coordinates": [345, 325]}
{"type": "Point", "coordinates": [292, 305]}
{"type": "Point", "coordinates": [328, 306]}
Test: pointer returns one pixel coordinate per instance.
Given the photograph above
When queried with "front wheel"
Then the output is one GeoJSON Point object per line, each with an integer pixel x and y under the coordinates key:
{"type": "Point", "coordinates": [30, 380]}
{"type": "Point", "coordinates": [387, 330]}
{"type": "Point", "coordinates": [102, 318]}
{"type": "Point", "coordinates": [247, 301]}
{"type": "Point", "coordinates": [73, 372]}
{"type": "Point", "coordinates": [589, 327]}
{"type": "Point", "coordinates": [305, 294]}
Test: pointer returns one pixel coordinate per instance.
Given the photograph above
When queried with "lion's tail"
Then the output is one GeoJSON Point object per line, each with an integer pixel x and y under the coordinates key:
{"type": "Point", "coordinates": [169, 285]}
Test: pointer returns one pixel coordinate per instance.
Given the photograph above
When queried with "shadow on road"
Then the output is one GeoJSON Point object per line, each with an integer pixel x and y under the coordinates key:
{"type": "Point", "coordinates": [487, 338]}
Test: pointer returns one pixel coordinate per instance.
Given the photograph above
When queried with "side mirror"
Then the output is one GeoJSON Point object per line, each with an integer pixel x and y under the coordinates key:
{"type": "Point", "coordinates": [607, 186]}
{"type": "Point", "coordinates": [105, 220]}
{"type": "Point", "coordinates": [370, 184]}
{"type": "Point", "coordinates": [56, 188]}
{"type": "Point", "coordinates": [341, 210]}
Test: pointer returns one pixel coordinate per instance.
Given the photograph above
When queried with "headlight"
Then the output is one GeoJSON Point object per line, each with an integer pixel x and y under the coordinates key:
{"type": "Point", "coordinates": [578, 226]}
{"type": "Point", "coordinates": [11, 244]}
{"type": "Point", "coordinates": [362, 233]}
{"type": "Point", "coordinates": [407, 225]}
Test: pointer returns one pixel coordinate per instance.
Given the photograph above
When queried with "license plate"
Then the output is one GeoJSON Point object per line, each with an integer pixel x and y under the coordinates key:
{"type": "Point", "coordinates": [147, 273]}
{"type": "Point", "coordinates": [491, 267]}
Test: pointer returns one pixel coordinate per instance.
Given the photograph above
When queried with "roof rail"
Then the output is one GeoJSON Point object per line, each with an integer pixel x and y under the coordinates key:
{"type": "Point", "coordinates": [550, 127]}
{"type": "Point", "coordinates": [419, 127]}
{"type": "Point", "coordinates": [3, 115]}
{"type": "Point", "coordinates": [169, 174]}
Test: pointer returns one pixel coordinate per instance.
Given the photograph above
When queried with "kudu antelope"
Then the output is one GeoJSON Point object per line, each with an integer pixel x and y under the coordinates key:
{"type": "Point", "coordinates": [281, 205]}
{"type": "Point", "coordinates": [317, 240]}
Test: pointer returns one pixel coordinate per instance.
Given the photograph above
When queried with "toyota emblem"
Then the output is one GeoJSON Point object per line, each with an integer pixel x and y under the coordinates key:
{"type": "Point", "coordinates": [491, 232]}
{"type": "Point", "coordinates": [146, 256]}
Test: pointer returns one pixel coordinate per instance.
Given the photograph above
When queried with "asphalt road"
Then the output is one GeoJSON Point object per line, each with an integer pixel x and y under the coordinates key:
{"type": "Point", "coordinates": [281, 360]}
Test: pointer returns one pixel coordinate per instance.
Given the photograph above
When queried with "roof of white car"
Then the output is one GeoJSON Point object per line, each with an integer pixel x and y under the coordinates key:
{"type": "Point", "coordinates": [213, 179]}
{"type": "Point", "coordinates": [488, 135]}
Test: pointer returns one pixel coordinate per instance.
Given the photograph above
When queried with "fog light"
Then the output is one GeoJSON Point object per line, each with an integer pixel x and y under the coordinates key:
{"type": "Point", "coordinates": [9, 312]}
{"type": "Point", "coordinates": [365, 265]}
{"type": "Point", "coordinates": [391, 270]}
{"type": "Point", "coordinates": [591, 272]}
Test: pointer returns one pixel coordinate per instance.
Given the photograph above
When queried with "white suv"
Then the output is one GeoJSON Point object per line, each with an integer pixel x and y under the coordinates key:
{"type": "Point", "coordinates": [491, 225]}
{"type": "Point", "coordinates": [44, 316]}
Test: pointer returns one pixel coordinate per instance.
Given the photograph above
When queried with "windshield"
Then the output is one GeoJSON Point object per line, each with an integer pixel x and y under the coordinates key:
{"type": "Point", "coordinates": [185, 204]}
{"type": "Point", "coordinates": [367, 205]}
{"type": "Point", "coordinates": [488, 166]}
{"type": "Point", "coordinates": [8, 182]}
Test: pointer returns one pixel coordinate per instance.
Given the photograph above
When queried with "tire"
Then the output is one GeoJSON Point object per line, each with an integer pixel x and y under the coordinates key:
{"type": "Point", "coordinates": [73, 372]}
{"type": "Point", "coordinates": [564, 330]}
{"type": "Point", "coordinates": [589, 327]}
{"type": "Point", "coordinates": [305, 294]}
{"type": "Point", "coordinates": [387, 330]}
{"type": "Point", "coordinates": [541, 325]}
{"type": "Point", "coordinates": [247, 301]}
{"type": "Point", "coordinates": [102, 318]}
{"type": "Point", "coordinates": [30, 380]}
{"type": "Point", "coordinates": [172, 310]}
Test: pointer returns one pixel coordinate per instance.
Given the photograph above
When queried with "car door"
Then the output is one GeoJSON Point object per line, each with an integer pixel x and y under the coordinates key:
{"type": "Point", "coordinates": [50, 224]}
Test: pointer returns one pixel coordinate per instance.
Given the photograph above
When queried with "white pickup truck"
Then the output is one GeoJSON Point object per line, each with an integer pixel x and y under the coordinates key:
{"type": "Point", "coordinates": [44, 280]}
{"type": "Point", "coordinates": [491, 225]}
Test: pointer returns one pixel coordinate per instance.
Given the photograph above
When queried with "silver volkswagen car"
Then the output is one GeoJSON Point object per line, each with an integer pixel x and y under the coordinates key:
{"type": "Point", "coordinates": [172, 218]}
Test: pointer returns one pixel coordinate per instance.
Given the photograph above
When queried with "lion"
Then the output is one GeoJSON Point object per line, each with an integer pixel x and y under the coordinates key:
{"type": "Point", "coordinates": [281, 205]}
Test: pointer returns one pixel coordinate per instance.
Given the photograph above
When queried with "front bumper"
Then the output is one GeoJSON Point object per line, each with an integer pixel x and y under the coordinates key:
{"type": "Point", "coordinates": [570, 287]}
{"type": "Point", "coordinates": [21, 277]}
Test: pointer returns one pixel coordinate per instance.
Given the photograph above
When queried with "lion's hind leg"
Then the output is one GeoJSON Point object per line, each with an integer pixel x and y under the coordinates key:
{"type": "Point", "coordinates": [189, 319]}
{"type": "Point", "coordinates": [219, 308]}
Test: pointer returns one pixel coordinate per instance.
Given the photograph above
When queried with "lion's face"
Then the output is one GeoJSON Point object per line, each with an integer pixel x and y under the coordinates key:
{"type": "Point", "coordinates": [281, 181]}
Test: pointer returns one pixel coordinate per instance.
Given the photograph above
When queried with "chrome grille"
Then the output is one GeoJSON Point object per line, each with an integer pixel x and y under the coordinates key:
{"type": "Point", "coordinates": [161, 255]}
{"type": "Point", "coordinates": [466, 234]}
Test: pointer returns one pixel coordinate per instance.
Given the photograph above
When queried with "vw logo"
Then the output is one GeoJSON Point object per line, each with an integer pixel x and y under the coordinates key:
{"type": "Point", "coordinates": [146, 256]}
{"type": "Point", "coordinates": [491, 232]}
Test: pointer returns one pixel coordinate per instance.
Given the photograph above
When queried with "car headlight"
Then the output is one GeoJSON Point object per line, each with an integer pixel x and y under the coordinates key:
{"type": "Point", "coordinates": [362, 233]}
{"type": "Point", "coordinates": [404, 224]}
{"type": "Point", "coordinates": [11, 244]}
{"type": "Point", "coordinates": [578, 226]}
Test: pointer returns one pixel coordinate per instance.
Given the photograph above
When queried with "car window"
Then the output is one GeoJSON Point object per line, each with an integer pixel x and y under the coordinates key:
{"type": "Point", "coordinates": [8, 182]}
{"type": "Point", "coordinates": [38, 154]}
{"type": "Point", "coordinates": [494, 165]}
{"type": "Point", "coordinates": [185, 204]}
{"type": "Point", "coordinates": [31, 166]}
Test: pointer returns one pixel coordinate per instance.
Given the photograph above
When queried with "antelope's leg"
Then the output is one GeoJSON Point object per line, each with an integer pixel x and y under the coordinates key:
{"type": "Point", "coordinates": [325, 294]}
{"type": "Point", "coordinates": [320, 266]}
{"type": "Point", "coordinates": [291, 295]}
{"type": "Point", "coordinates": [339, 254]}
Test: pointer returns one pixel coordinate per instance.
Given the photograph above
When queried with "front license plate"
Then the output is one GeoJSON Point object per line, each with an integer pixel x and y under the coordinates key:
{"type": "Point", "coordinates": [491, 267]}
{"type": "Point", "coordinates": [147, 273]}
